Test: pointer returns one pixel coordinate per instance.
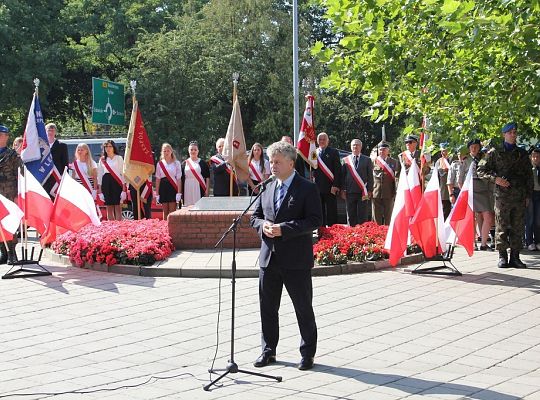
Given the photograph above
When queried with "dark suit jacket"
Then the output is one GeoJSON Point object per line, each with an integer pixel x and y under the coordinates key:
{"type": "Point", "coordinates": [299, 214]}
{"type": "Point", "coordinates": [59, 152]}
{"type": "Point", "coordinates": [222, 180]}
{"type": "Point", "coordinates": [365, 170]}
{"type": "Point", "coordinates": [331, 159]}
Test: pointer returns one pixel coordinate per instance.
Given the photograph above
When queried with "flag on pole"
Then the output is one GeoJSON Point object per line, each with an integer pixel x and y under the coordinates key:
{"type": "Point", "coordinates": [138, 161]}
{"type": "Point", "coordinates": [413, 180]}
{"type": "Point", "coordinates": [234, 149]}
{"type": "Point", "coordinates": [306, 139]}
{"type": "Point", "coordinates": [10, 217]}
{"type": "Point", "coordinates": [36, 152]}
{"type": "Point", "coordinates": [398, 230]}
{"type": "Point", "coordinates": [427, 225]}
{"type": "Point", "coordinates": [460, 221]}
{"type": "Point", "coordinates": [35, 202]}
{"type": "Point", "coordinates": [73, 209]}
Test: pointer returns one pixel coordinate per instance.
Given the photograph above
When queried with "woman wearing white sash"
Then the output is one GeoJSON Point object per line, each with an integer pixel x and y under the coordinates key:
{"type": "Point", "coordinates": [84, 164]}
{"type": "Point", "coordinates": [110, 180]}
{"type": "Point", "coordinates": [259, 168]}
{"type": "Point", "coordinates": [168, 194]}
{"type": "Point", "coordinates": [195, 176]}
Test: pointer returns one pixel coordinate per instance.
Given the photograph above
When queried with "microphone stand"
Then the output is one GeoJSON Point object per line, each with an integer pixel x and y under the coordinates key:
{"type": "Point", "coordinates": [232, 367]}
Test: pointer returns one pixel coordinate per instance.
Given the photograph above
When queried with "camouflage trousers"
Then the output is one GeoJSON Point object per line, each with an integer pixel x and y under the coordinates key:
{"type": "Point", "coordinates": [509, 224]}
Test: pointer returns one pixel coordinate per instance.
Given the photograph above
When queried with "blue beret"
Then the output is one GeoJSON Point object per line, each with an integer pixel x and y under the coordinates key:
{"type": "Point", "coordinates": [509, 126]}
{"type": "Point", "coordinates": [4, 129]}
{"type": "Point", "coordinates": [443, 146]}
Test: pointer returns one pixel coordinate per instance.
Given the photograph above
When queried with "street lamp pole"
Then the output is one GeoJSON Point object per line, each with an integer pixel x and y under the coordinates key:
{"type": "Point", "coordinates": [295, 73]}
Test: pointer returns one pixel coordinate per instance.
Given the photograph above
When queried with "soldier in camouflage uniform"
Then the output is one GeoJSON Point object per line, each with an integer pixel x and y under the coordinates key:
{"type": "Point", "coordinates": [509, 167]}
{"type": "Point", "coordinates": [9, 163]}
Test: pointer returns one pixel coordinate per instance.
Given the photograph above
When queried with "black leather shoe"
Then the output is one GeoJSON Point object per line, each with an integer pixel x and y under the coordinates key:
{"type": "Point", "coordinates": [306, 363]}
{"type": "Point", "coordinates": [264, 360]}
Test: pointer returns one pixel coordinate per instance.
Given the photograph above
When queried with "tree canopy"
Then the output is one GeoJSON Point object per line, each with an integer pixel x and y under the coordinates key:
{"type": "Point", "coordinates": [470, 66]}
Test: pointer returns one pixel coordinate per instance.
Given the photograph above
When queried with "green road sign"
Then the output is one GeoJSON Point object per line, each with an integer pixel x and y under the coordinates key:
{"type": "Point", "coordinates": [108, 106]}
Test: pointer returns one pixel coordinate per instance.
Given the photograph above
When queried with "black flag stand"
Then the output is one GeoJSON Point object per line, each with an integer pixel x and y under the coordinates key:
{"type": "Point", "coordinates": [444, 269]}
{"type": "Point", "coordinates": [27, 272]}
{"type": "Point", "coordinates": [232, 367]}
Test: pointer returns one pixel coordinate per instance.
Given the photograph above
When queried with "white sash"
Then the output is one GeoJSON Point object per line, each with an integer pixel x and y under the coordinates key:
{"type": "Point", "coordinates": [358, 179]}
{"type": "Point", "coordinates": [254, 172]}
{"type": "Point", "coordinates": [445, 163]}
{"type": "Point", "coordinates": [196, 174]}
{"type": "Point", "coordinates": [218, 161]}
{"type": "Point", "coordinates": [384, 165]}
{"type": "Point", "coordinates": [324, 168]}
{"type": "Point", "coordinates": [82, 176]}
{"type": "Point", "coordinates": [408, 156]}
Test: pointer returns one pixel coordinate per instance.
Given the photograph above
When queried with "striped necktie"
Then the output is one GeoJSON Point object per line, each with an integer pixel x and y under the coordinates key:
{"type": "Point", "coordinates": [282, 191]}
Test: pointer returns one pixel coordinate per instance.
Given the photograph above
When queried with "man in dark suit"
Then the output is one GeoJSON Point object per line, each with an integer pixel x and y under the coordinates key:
{"type": "Point", "coordinates": [357, 184]}
{"type": "Point", "coordinates": [285, 216]}
{"type": "Point", "coordinates": [222, 173]}
{"type": "Point", "coordinates": [59, 152]}
{"type": "Point", "coordinates": [328, 178]}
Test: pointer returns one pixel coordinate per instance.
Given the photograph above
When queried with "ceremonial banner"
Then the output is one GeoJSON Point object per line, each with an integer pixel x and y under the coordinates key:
{"type": "Point", "coordinates": [234, 149]}
{"type": "Point", "coordinates": [138, 160]}
{"type": "Point", "coordinates": [36, 152]}
{"type": "Point", "coordinates": [10, 218]}
{"type": "Point", "coordinates": [306, 138]}
{"type": "Point", "coordinates": [35, 202]}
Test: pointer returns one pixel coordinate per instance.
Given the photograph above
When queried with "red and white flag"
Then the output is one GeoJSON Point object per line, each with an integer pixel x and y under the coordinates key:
{"type": "Point", "coordinates": [460, 222]}
{"type": "Point", "coordinates": [73, 209]}
{"type": "Point", "coordinates": [35, 202]}
{"type": "Point", "coordinates": [10, 218]}
{"type": "Point", "coordinates": [398, 230]}
{"type": "Point", "coordinates": [427, 225]}
{"type": "Point", "coordinates": [413, 179]}
{"type": "Point", "coordinates": [306, 139]}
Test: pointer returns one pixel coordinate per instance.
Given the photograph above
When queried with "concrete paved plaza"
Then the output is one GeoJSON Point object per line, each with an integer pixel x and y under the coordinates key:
{"type": "Point", "coordinates": [382, 335]}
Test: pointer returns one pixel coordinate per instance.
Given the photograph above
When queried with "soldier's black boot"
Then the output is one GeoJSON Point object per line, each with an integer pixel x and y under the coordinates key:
{"type": "Point", "coordinates": [3, 253]}
{"type": "Point", "coordinates": [11, 254]}
{"type": "Point", "coordinates": [503, 259]}
{"type": "Point", "coordinates": [515, 262]}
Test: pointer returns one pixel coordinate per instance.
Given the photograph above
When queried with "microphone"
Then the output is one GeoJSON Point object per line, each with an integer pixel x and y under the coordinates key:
{"type": "Point", "coordinates": [265, 183]}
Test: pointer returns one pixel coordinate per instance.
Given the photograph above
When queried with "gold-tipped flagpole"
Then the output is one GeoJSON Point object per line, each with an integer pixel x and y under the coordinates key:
{"type": "Point", "coordinates": [235, 77]}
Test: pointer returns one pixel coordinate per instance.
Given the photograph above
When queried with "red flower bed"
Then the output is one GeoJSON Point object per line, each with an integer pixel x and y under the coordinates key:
{"type": "Point", "coordinates": [340, 243]}
{"type": "Point", "coordinates": [117, 242]}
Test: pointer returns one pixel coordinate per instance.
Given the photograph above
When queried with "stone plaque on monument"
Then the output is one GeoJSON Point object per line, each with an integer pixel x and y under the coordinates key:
{"type": "Point", "coordinates": [237, 203]}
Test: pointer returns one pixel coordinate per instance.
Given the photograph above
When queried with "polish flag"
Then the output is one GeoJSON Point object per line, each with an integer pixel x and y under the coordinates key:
{"type": "Point", "coordinates": [398, 230]}
{"type": "Point", "coordinates": [10, 218]}
{"type": "Point", "coordinates": [413, 179]}
{"type": "Point", "coordinates": [427, 225]}
{"type": "Point", "coordinates": [73, 209]}
{"type": "Point", "coordinates": [461, 219]}
{"type": "Point", "coordinates": [35, 202]}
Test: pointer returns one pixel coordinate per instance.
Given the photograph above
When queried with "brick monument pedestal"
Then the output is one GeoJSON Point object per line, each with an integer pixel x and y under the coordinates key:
{"type": "Point", "coordinates": [201, 226]}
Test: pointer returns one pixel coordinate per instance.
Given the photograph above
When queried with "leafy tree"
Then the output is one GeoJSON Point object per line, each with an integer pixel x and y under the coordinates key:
{"type": "Point", "coordinates": [471, 66]}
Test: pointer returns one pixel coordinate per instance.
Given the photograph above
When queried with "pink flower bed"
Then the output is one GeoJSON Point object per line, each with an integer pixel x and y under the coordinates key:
{"type": "Point", "coordinates": [117, 242]}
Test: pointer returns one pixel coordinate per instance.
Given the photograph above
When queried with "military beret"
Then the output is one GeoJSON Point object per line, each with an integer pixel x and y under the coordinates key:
{"type": "Point", "coordinates": [473, 141]}
{"type": "Point", "coordinates": [383, 145]}
{"type": "Point", "coordinates": [535, 149]}
{"type": "Point", "coordinates": [411, 138]}
{"type": "Point", "coordinates": [443, 146]}
{"type": "Point", "coordinates": [4, 129]}
{"type": "Point", "coordinates": [508, 127]}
